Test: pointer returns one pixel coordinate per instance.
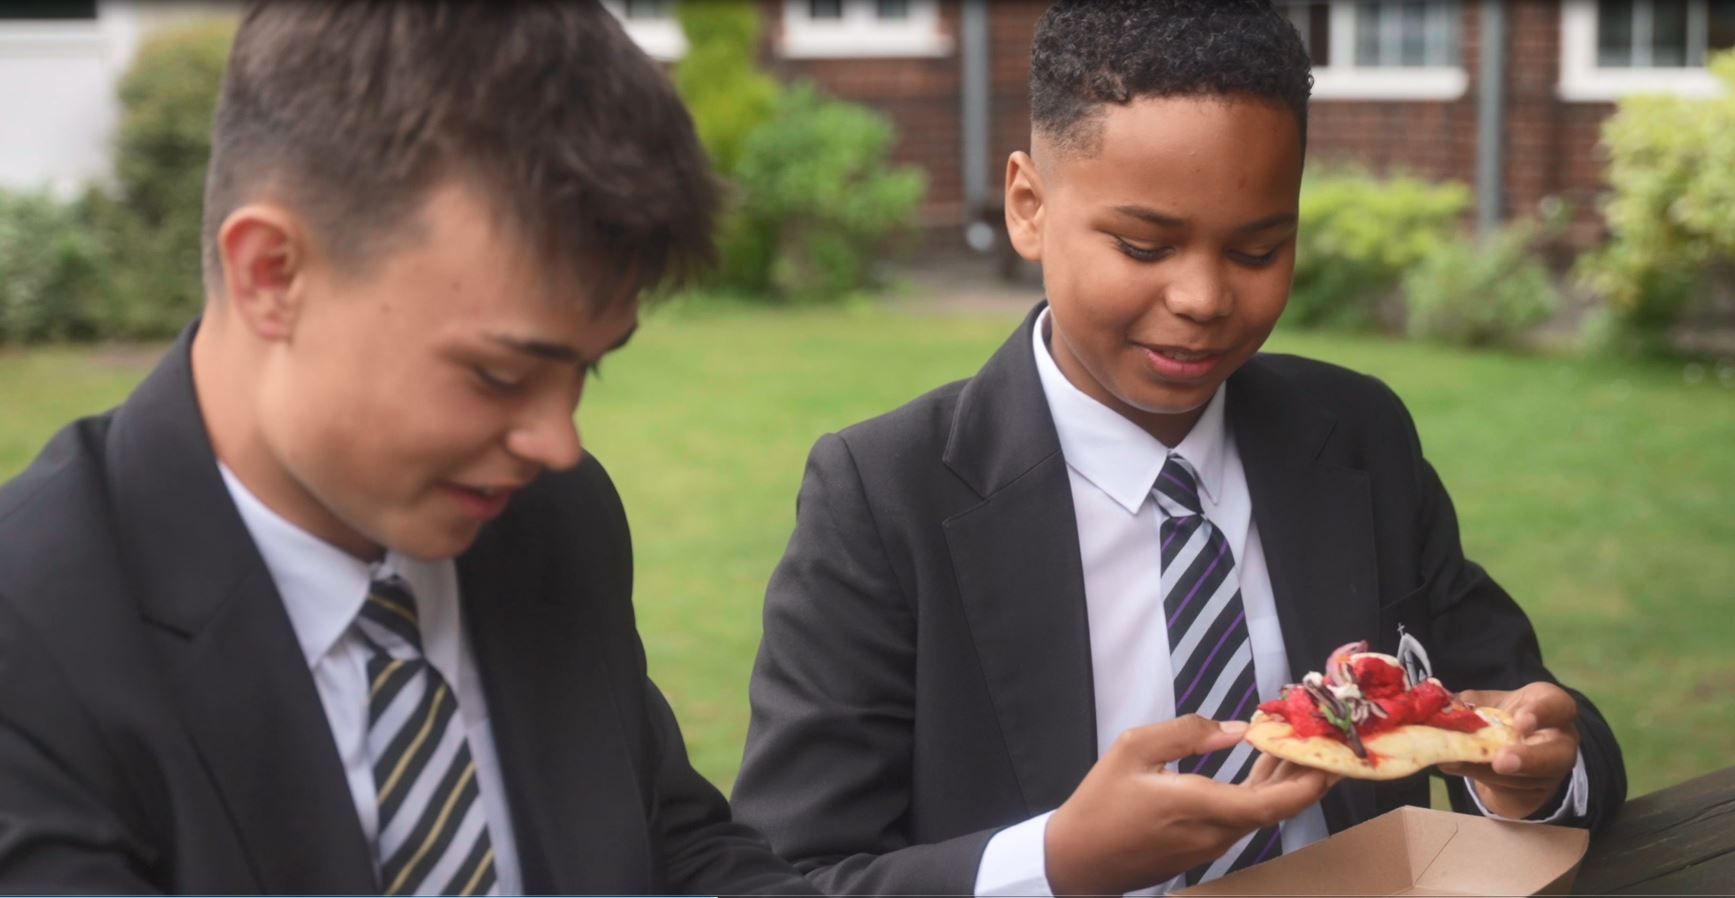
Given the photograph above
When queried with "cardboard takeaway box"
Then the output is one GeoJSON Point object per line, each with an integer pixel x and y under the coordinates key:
{"type": "Point", "coordinates": [1415, 851]}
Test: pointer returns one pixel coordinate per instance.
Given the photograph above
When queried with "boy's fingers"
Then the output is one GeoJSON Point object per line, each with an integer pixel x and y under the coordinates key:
{"type": "Point", "coordinates": [1548, 706]}
{"type": "Point", "coordinates": [1154, 746]}
{"type": "Point", "coordinates": [1549, 754]}
{"type": "Point", "coordinates": [1251, 807]}
{"type": "Point", "coordinates": [1264, 768]}
{"type": "Point", "coordinates": [1487, 698]}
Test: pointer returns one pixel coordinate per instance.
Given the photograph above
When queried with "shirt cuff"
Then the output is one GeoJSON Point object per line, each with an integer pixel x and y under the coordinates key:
{"type": "Point", "coordinates": [1574, 805]}
{"type": "Point", "coordinates": [1016, 861]}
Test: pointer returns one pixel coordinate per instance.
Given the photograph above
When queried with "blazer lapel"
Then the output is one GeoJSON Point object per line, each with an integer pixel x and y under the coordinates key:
{"type": "Point", "coordinates": [1316, 526]}
{"type": "Point", "coordinates": [247, 699]}
{"type": "Point", "coordinates": [577, 811]}
{"type": "Point", "coordinates": [1019, 577]}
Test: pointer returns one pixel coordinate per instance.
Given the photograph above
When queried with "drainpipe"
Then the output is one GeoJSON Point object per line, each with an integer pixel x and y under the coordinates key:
{"type": "Point", "coordinates": [973, 58]}
{"type": "Point", "coordinates": [1491, 118]}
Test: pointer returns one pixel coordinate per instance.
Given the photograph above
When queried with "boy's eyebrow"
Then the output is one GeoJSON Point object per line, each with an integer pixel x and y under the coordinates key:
{"type": "Point", "coordinates": [1145, 213]}
{"type": "Point", "coordinates": [555, 352]}
{"type": "Point", "coordinates": [1282, 219]}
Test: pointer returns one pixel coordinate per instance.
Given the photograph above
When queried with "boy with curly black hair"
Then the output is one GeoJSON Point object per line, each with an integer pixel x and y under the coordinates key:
{"type": "Point", "coordinates": [1014, 611]}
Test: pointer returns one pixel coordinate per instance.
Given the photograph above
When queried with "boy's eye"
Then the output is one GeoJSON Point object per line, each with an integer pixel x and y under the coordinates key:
{"type": "Point", "coordinates": [497, 381]}
{"type": "Point", "coordinates": [1139, 253]}
{"type": "Point", "coordinates": [1256, 261]}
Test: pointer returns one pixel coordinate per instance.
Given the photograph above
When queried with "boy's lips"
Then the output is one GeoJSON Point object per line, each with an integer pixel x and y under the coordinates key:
{"type": "Point", "coordinates": [1179, 362]}
{"type": "Point", "coordinates": [482, 502]}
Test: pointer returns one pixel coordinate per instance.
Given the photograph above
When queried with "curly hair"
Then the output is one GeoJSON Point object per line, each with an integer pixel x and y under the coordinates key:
{"type": "Point", "coordinates": [1088, 53]}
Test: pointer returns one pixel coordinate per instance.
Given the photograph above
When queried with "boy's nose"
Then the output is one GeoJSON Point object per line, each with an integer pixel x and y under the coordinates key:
{"type": "Point", "coordinates": [1199, 293]}
{"type": "Point", "coordinates": [550, 440]}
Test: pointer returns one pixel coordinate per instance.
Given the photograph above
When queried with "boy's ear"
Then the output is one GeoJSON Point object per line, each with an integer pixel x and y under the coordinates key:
{"type": "Point", "coordinates": [1024, 206]}
{"type": "Point", "coordinates": [263, 251]}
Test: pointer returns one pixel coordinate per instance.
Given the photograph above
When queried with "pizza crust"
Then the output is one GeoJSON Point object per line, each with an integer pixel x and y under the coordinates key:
{"type": "Point", "coordinates": [1401, 751]}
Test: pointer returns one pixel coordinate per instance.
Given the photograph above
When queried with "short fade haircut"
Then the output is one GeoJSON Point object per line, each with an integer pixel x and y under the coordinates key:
{"type": "Point", "coordinates": [1088, 53]}
{"type": "Point", "coordinates": [352, 110]}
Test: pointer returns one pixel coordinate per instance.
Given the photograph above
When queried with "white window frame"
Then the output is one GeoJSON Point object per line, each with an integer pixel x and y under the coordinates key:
{"type": "Point", "coordinates": [861, 34]}
{"type": "Point", "coordinates": [1341, 78]}
{"type": "Point", "coordinates": [1583, 81]}
{"type": "Point", "coordinates": [63, 37]}
{"type": "Point", "coordinates": [660, 38]}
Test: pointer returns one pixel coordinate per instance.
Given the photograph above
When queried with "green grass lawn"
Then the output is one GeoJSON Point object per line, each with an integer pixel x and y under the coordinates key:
{"type": "Point", "coordinates": [1600, 492]}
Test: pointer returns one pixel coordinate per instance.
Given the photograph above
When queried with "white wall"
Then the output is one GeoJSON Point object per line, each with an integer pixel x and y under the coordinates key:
{"type": "Point", "coordinates": [57, 85]}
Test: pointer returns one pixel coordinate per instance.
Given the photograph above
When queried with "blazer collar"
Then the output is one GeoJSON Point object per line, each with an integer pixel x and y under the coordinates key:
{"type": "Point", "coordinates": [1002, 427]}
{"type": "Point", "coordinates": [231, 657]}
{"type": "Point", "coordinates": [1019, 577]}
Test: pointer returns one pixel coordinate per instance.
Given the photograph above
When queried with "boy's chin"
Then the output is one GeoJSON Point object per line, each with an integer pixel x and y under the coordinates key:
{"type": "Point", "coordinates": [1171, 402]}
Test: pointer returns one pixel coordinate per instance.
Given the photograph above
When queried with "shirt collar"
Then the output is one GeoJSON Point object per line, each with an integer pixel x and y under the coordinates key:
{"type": "Point", "coordinates": [322, 586]}
{"type": "Point", "coordinates": [1113, 453]}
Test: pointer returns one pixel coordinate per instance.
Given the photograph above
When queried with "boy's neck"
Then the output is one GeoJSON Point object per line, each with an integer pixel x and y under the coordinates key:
{"type": "Point", "coordinates": [1167, 428]}
{"type": "Point", "coordinates": [225, 386]}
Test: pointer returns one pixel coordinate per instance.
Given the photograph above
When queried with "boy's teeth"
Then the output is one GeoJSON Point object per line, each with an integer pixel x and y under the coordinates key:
{"type": "Point", "coordinates": [1182, 356]}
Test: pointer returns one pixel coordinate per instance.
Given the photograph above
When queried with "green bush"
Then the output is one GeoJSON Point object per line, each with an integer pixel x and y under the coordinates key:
{"type": "Point", "coordinates": [53, 271]}
{"type": "Point", "coordinates": [151, 223]}
{"type": "Point", "coordinates": [812, 202]}
{"type": "Point", "coordinates": [1487, 293]}
{"type": "Point", "coordinates": [1358, 236]}
{"type": "Point", "coordinates": [1671, 212]}
{"type": "Point", "coordinates": [720, 81]}
{"type": "Point", "coordinates": [815, 187]}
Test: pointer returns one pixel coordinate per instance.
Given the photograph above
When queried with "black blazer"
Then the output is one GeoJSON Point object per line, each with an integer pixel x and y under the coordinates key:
{"type": "Point", "coordinates": [925, 675]}
{"type": "Point", "coordinates": [159, 728]}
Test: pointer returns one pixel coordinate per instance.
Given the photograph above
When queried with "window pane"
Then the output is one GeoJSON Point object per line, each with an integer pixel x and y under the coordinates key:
{"type": "Point", "coordinates": [1414, 40]}
{"type": "Point", "coordinates": [1444, 50]}
{"type": "Point", "coordinates": [1367, 34]}
{"type": "Point", "coordinates": [647, 9]}
{"type": "Point", "coordinates": [1720, 33]}
{"type": "Point", "coordinates": [1614, 33]}
{"type": "Point", "coordinates": [894, 9]}
{"type": "Point", "coordinates": [1312, 22]}
{"type": "Point", "coordinates": [47, 9]}
{"type": "Point", "coordinates": [1669, 32]}
{"type": "Point", "coordinates": [825, 9]}
{"type": "Point", "coordinates": [1319, 32]}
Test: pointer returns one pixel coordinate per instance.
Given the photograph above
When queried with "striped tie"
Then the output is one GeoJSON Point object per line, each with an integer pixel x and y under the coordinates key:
{"type": "Point", "coordinates": [433, 834]}
{"type": "Point", "coordinates": [1209, 650]}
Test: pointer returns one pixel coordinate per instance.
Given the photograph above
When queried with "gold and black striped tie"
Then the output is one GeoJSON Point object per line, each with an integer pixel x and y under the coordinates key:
{"type": "Point", "coordinates": [433, 832]}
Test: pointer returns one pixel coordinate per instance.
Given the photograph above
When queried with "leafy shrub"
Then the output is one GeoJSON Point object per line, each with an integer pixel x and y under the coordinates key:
{"type": "Point", "coordinates": [729, 97]}
{"type": "Point", "coordinates": [816, 190]}
{"type": "Point", "coordinates": [1671, 213]}
{"type": "Point", "coordinates": [719, 79]}
{"type": "Point", "coordinates": [1488, 293]}
{"type": "Point", "coordinates": [53, 272]}
{"type": "Point", "coordinates": [1359, 234]}
{"type": "Point", "coordinates": [151, 222]}
{"type": "Point", "coordinates": [812, 202]}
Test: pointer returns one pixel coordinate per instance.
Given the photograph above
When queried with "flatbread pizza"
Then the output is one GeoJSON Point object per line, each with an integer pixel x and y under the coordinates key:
{"type": "Point", "coordinates": [1375, 717]}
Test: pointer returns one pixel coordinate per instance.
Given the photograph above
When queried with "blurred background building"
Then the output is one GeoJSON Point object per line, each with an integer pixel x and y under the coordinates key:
{"type": "Point", "coordinates": [1400, 85]}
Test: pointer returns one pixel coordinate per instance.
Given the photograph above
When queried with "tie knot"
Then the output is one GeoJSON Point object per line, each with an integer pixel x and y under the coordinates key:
{"type": "Point", "coordinates": [389, 614]}
{"type": "Point", "coordinates": [1177, 489]}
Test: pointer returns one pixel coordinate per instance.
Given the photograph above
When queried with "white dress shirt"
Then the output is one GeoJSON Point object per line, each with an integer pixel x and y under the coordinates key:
{"type": "Point", "coordinates": [1112, 464]}
{"type": "Point", "coordinates": [323, 589]}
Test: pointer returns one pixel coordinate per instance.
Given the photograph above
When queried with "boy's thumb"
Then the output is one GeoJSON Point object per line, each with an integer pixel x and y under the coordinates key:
{"type": "Point", "coordinates": [1172, 740]}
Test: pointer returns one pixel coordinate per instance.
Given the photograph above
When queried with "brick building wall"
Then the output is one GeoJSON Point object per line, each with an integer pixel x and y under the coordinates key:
{"type": "Point", "coordinates": [1551, 145]}
{"type": "Point", "coordinates": [922, 96]}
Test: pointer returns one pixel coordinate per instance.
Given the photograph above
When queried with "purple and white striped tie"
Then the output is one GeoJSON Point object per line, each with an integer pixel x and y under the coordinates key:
{"type": "Point", "coordinates": [1209, 649]}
